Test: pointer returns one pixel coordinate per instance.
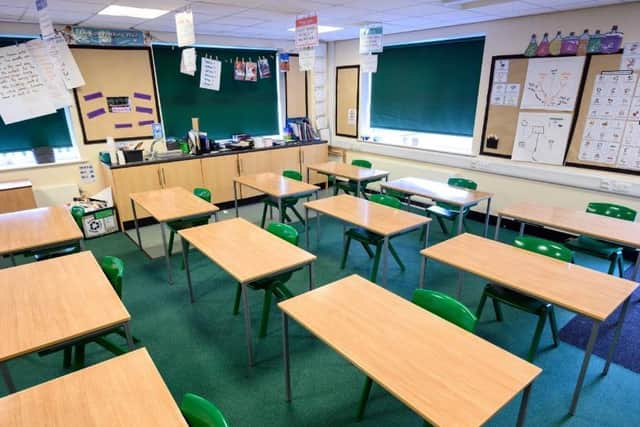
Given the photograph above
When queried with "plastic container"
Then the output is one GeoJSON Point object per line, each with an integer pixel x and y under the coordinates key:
{"type": "Point", "coordinates": [532, 47]}
{"type": "Point", "coordinates": [543, 47]}
{"type": "Point", "coordinates": [555, 47]}
{"type": "Point", "coordinates": [570, 44]}
{"type": "Point", "coordinates": [612, 41]}
{"type": "Point", "coordinates": [583, 43]}
{"type": "Point", "coordinates": [132, 156]}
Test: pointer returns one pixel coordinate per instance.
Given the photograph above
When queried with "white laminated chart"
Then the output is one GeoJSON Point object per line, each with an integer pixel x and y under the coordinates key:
{"type": "Point", "coordinates": [612, 131]}
{"type": "Point", "coordinates": [541, 137]}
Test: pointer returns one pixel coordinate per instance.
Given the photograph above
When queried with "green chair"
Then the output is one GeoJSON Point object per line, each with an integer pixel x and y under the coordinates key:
{"type": "Point", "coordinates": [199, 412]}
{"type": "Point", "coordinates": [441, 305]}
{"type": "Point", "coordinates": [450, 212]}
{"type": "Point", "coordinates": [287, 202]}
{"type": "Point", "coordinates": [181, 224]}
{"type": "Point", "coordinates": [77, 212]}
{"type": "Point", "coordinates": [522, 302]}
{"type": "Point", "coordinates": [113, 268]}
{"type": "Point", "coordinates": [274, 285]}
{"type": "Point", "coordinates": [350, 186]}
{"type": "Point", "coordinates": [367, 238]}
{"type": "Point", "coordinates": [601, 249]}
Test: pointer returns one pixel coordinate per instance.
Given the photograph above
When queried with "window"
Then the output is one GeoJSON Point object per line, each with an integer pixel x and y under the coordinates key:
{"type": "Point", "coordinates": [425, 95]}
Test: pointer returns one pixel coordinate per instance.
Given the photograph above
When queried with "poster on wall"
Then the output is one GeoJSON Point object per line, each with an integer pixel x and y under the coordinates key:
{"type": "Point", "coordinates": [103, 36]}
{"type": "Point", "coordinates": [371, 39]}
{"type": "Point", "coordinates": [541, 137]}
{"type": "Point", "coordinates": [210, 72]}
{"type": "Point", "coordinates": [307, 31]}
{"type": "Point", "coordinates": [552, 83]}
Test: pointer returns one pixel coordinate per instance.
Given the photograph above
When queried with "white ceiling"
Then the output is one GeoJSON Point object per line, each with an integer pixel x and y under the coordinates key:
{"type": "Point", "coordinates": [270, 19]}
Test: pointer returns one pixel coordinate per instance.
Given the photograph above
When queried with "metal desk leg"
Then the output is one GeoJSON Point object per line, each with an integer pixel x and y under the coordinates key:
{"type": "Point", "coordinates": [306, 227]}
{"type": "Point", "coordinates": [7, 377]}
{"type": "Point", "coordinates": [247, 323]}
{"type": "Point", "coordinates": [427, 229]}
{"type": "Point", "coordinates": [585, 364]}
{"type": "Point", "coordinates": [13, 260]}
{"type": "Point", "coordinates": [460, 219]}
{"type": "Point", "coordinates": [423, 267]}
{"type": "Point", "coordinates": [281, 210]}
{"type": "Point", "coordinates": [308, 176]}
{"type": "Point", "coordinates": [285, 353]}
{"type": "Point", "coordinates": [215, 217]}
{"type": "Point", "coordinates": [166, 252]}
{"type": "Point", "coordinates": [135, 222]}
{"type": "Point", "coordinates": [127, 332]}
{"type": "Point", "coordinates": [460, 279]}
{"type": "Point", "coordinates": [636, 269]}
{"type": "Point", "coordinates": [311, 283]}
{"type": "Point", "coordinates": [235, 197]}
{"type": "Point", "coordinates": [185, 260]}
{"type": "Point", "coordinates": [497, 232]}
{"type": "Point", "coordinates": [616, 335]}
{"type": "Point", "coordinates": [357, 188]}
{"type": "Point", "coordinates": [82, 245]}
{"type": "Point", "coordinates": [521, 229]}
{"type": "Point", "coordinates": [385, 261]}
{"type": "Point", "coordinates": [317, 229]}
{"type": "Point", "coordinates": [523, 406]}
{"type": "Point", "coordinates": [486, 218]}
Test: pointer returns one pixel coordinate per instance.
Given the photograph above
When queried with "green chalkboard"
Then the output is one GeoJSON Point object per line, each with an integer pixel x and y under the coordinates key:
{"type": "Point", "coordinates": [46, 131]}
{"type": "Point", "coordinates": [239, 106]}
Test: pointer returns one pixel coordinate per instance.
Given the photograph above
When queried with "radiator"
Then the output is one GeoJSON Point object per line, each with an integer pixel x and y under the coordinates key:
{"type": "Point", "coordinates": [52, 195]}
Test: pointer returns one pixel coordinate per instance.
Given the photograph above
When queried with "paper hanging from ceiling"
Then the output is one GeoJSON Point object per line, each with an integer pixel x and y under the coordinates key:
{"type": "Point", "coordinates": [46, 25]}
{"type": "Point", "coordinates": [306, 59]}
{"type": "Point", "coordinates": [66, 63]}
{"type": "Point", "coordinates": [371, 39]}
{"type": "Point", "coordinates": [23, 94]}
{"type": "Point", "coordinates": [368, 63]}
{"type": "Point", "coordinates": [188, 61]}
{"type": "Point", "coordinates": [541, 137]}
{"type": "Point", "coordinates": [552, 83]}
{"type": "Point", "coordinates": [184, 28]}
{"type": "Point", "coordinates": [210, 70]}
{"type": "Point", "coordinates": [307, 31]}
{"type": "Point", "coordinates": [40, 51]}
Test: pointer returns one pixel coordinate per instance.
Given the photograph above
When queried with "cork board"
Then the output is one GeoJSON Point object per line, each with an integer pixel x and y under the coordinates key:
{"type": "Point", "coordinates": [119, 98]}
{"type": "Point", "coordinates": [347, 100]}
{"type": "Point", "coordinates": [596, 64]}
{"type": "Point", "coordinates": [296, 88]}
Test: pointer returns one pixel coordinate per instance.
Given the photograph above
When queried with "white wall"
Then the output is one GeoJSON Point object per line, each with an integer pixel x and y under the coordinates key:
{"type": "Point", "coordinates": [503, 37]}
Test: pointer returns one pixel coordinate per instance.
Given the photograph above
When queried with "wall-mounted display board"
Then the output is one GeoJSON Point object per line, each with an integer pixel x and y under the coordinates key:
{"type": "Point", "coordinates": [531, 107]}
{"type": "Point", "coordinates": [296, 90]}
{"type": "Point", "coordinates": [347, 100]}
{"type": "Point", "coordinates": [119, 98]}
{"type": "Point", "coordinates": [607, 131]}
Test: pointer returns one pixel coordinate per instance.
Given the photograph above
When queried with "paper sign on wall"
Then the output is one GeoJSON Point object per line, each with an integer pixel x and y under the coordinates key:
{"type": "Point", "coordinates": [501, 71]}
{"type": "Point", "coordinates": [188, 61]}
{"type": "Point", "coordinates": [284, 62]}
{"type": "Point", "coordinates": [50, 72]}
{"type": "Point", "coordinates": [184, 29]}
{"type": "Point", "coordinates": [552, 83]}
{"type": "Point", "coordinates": [210, 74]}
{"type": "Point", "coordinates": [352, 116]}
{"type": "Point", "coordinates": [631, 57]}
{"type": "Point", "coordinates": [87, 173]}
{"type": "Point", "coordinates": [541, 137]}
{"type": "Point", "coordinates": [307, 32]}
{"type": "Point", "coordinates": [368, 63]}
{"type": "Point", "coordinates": [307, 59]}
{"type": "Point", "coordinates": [371, 39]}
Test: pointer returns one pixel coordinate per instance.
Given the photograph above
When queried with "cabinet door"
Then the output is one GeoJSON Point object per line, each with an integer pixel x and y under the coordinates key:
{"type": "Point", "coordinates": [285, 159]}
{"type": "Point", "coordinates": [310, 154]}
{"type": "Point", "coordinates": [218, 174]}
{"type": "Point", "coordinates": [186, 174]}
{"type": "Point", "coordinates": [132, 180]}
{"type": "Point", "coordinates": [252, 163]}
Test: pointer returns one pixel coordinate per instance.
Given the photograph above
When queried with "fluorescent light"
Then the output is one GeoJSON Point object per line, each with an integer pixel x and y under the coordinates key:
{"type": "Point", "coordinates": [133, 12]}
{"type": "Point", "coordinates": [323, 29]}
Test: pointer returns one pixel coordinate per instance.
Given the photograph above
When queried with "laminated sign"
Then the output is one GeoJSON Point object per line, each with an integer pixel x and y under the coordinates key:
{"type": "Point", "coordinates": [371, 39]}
{"type": "Point", "coordinates": [307, 32]}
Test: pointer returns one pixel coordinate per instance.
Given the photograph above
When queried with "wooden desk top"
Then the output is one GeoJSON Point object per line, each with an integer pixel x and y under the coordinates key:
{"type": "Point", "coordinates": [48, 302]}
{"type": "Point", "coordinates": [579, 289]}
{"type": "Point", "coordinates": [244, 250]}
{"type": "Point", "coordinates": [276, 185]}
{"type": "Point", "coordinates": [33, 228]}
{"type": "Point", "coordinates": [371, 216]}
{"type": "Point", "coordinates": [437, 191]}
{"type": "Point", "coordinates": [614, 230]}
{"type": "Point", "coordinates": [444, 373]}
{"type": "Point", "coordinates": [345, 170]}
{"type": "Point", "coordinates": [12, 185]}
{"type": "Point", "coordinates": [173, 203]}
{"type": "Point", "coordinates": [124, 391]}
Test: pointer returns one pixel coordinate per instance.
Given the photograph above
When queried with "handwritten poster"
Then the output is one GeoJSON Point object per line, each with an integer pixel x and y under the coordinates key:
{"type": "Point", "coordinates": [552, 83]}
{"type": "Point", "coordinates": [66, 63]}
{"type": "Point", "coordinates": [23, 94]}
{"type": "Point", "coordinates": [50, 72]}
{"type": "Point", "coordinates": [210, 74]}
{"type": "Point", "coordinates": [371, 39]}
{"type": "Point", "coordinates": [541, 137]}
{"type": "Point", "coordinates": [307, 32]}
{"type": "Point", "coordinates": [184, 29]}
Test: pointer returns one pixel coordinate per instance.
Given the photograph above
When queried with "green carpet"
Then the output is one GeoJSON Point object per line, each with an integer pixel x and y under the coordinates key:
{"type": "Point", "coordinates": [201, 348]}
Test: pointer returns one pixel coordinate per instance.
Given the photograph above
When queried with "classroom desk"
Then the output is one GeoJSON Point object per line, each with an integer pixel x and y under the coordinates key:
{"type": "Point", "coordinates": [442, 192]}
{"type": "Point", "coordinates": [374, 217]}
{"type": "Point", "coordinates": [166, 205]}
{"type": "Point", "coordinates": [581, 290]}
{"type": "Point", "coordinates": [445, 374]}
{"type": "Point", "coordinates": [350, 172]}
{"type": "Point", "coordinates": [39, 228]}
{"type": "Point", "coordinates": [275, 186]}
{"type": "Point", "coordinates": [124, 390]}
{"type": "Point", "coordinates": [247, 253]}
{"type": "Point", "coordinates": [53, 303]}
{"type": "Point", "coordinates": [625, 233]}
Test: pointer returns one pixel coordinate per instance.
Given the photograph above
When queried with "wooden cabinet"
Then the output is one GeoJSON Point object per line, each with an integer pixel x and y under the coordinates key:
{"type": "Point", "coordinates": [16, 196]}
{"type": "Point", "coordinates": [125, 181]}
{"type": "Point", "coordinates": [186, 174]}
{"type": "Point", "coordinates": [218, 174]}
{"type": "Point", "coordinates": [285, 159]}
{"type": "Point", "coordinates": [252, 163]}
{"type": "Point", "coordinates": [310, 154]}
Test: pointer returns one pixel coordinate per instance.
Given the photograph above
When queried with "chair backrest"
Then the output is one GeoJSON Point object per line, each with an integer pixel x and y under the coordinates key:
{"type": "Point", "coordinates": [612, 210]}
{"type": "Point", "coordinates": [544, 247]}
{"type": "Point", "coordinates": [199, 412]}
{"type": "Point", "coordinates": [462, 183]}
{"type": "Point", "coordinates": [203, 193]}
{"type": "Point", "coordinates": [291, 174]}
{"type": "Point", "coordinates": [77, 212]}
{"type": "Point", "coordinates": [444, 306]}
{"type": "Point", "coordinates": [113, 268]}
{"type": "Point", "coordinates": [362, 163]}
{"type": "Point", "coordinates": [284, 231]}
{"type": "Point", "coordinates": [387, 200]}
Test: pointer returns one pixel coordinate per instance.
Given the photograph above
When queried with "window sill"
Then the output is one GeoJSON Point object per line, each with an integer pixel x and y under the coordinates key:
{"type": "Point", "coordinates": [39, 166]}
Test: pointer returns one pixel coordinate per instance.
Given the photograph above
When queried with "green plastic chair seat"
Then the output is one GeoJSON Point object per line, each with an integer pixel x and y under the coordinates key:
{"type": "Point", "coordinates": [443, 210]}
{"type": "Point", "coordinates": [593, 246]}
{"type": "Point", "coordinates": [515, 299]}
{"type": "Point", "coordinates": [199, 412]}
